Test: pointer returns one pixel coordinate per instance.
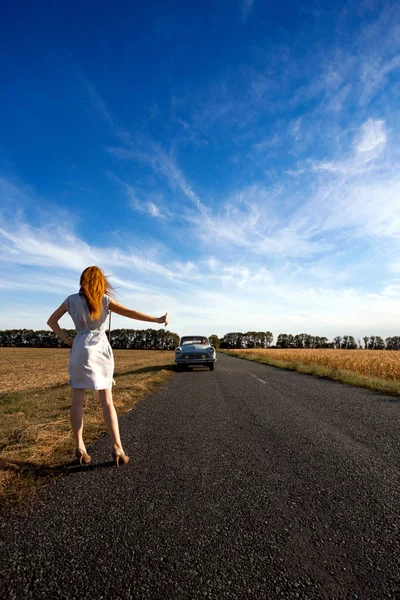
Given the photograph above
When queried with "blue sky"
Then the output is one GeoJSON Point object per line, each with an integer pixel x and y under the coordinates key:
{"type": "Point", "coordinates": [235, 163]}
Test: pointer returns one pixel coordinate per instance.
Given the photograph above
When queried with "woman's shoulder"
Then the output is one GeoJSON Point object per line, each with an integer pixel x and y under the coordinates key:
{"type": "Point", "coordinates": [106, 300]}
{"type": "Point", "coordinates": [73, 297]}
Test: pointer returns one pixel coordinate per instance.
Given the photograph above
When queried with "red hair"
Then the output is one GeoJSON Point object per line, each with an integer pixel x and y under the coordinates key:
{"type": "Point", "coordinates": [94, 285]}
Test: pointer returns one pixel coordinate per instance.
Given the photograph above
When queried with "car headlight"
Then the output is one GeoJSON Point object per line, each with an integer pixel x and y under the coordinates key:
{"type": "Point", "coordinates": [211, 350]}
{"type": "Point", "coordinates": [178, 350]}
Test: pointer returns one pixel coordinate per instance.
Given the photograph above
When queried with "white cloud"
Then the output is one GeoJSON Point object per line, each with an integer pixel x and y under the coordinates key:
{"type": "Point", "coordinates": [153, 155]}
{"type": "Point", "coordinates": [375, 72]}
{"type": "Point", "coordinates": [372, 137]}
{"type": "Point", "coordinates": [266, 144]}
{"type": "Point", "coordinates": [153, 210]}
{"type": "Point", "coordinates": [206, 294]}
{"type": "Point", "coordinates": [165, 164]}
{"type": "Point", "coordinates": [362, 195]}
{"type": "Point", "coordinates": [285, 307]}
{"type": "Point", "coordinates": [57, 247]}
{"type": "Point", "coordinates": [145, 206]}
{"type": "Point", "coordinates": [362, 192]}
{"type": "Point", "coordinates": [54, 246]}
{"type": "Point", "coordinates": [260, 255]}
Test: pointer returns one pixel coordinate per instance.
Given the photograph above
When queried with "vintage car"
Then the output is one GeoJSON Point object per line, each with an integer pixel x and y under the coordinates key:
{"type": "Point", "coordinates": [195, 351]}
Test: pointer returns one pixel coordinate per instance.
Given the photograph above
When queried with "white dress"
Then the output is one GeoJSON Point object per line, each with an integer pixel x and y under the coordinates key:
{"type": "Point", "coordinates": [91, 363]}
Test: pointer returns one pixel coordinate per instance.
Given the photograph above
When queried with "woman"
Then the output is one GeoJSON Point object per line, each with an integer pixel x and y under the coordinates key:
{"type": "Point", "coordinates": [91, 363]}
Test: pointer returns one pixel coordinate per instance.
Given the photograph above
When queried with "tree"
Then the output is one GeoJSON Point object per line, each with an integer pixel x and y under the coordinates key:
{"type": "Point", "coordinates": [344, 343]}
{"type": "Point", "coordinates": [307, 340]}
{"type": "Point", "coordinates": [214, 341]}
{"type": "Point", "coordinates": [282, 340]}
{"type": "Point", "coordinates": [248, 339]}
{"type": "Point", "coordinates": [323, 342]}
{"type": "Point", "coordinates": [232, 340]}
{"type": "Point", "coordinates": [393, 343]}
{"type": "Point", "coordinates": [260, 339]}
{"type": "Point", "coordinates": [298, 340]}
{"type": "Point", "coordinates": [351, 343]}
{"type": "Point", "coordinates": [337, 342]}
{"type": "Point", "coordinates": [238, 340]}
{"type": "Point", "coordinates": [269, 338]}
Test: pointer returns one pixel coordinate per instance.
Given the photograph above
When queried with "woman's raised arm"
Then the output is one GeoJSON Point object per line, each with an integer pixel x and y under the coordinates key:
{"type": "Point", "coordinates": [133, 314]}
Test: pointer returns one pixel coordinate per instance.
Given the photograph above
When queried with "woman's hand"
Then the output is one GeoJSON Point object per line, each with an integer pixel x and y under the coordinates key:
{"type": "Point", "coordinates": [163, 319]}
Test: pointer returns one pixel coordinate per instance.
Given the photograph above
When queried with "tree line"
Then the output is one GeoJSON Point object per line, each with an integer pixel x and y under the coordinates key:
{"type": "Point", "coordinates": [251, 339]}
{"type": "Point", "coordinates": [133, 339]}
{"type": "Point", "coordinates": [159, 339]}
{"type": "Point", "coordinates": [261, 339]}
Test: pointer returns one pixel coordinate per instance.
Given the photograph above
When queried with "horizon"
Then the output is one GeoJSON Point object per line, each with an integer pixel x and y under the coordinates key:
{"type": "Point", "coordinates": [273, 344]}
{"type": "Point", "coordinates": [233, 164]}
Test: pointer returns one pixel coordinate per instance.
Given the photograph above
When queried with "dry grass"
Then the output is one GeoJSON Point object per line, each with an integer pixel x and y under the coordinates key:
{"type": "Point", "coordinates": [32, 368]}
{"type": "Point", "coordinates": [374, 369]}
{"type": "Point", "coordinates": [35, 433]}
{"type": "Point", "coordinates": [371, 363]}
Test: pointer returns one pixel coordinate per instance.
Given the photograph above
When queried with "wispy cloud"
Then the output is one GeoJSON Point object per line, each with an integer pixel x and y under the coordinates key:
{"type": "Point", "coordinates": [368, 146]}
{"type": "Point", "coordinates": [150, 153]}
{"type": "Point", "coordinates": [26, 245]}
{"type": "Point", "coordinates": [14, 196]}
{"type": "Point", "coordinates": [250, 218]}
{"type": "Point", "coordinates": [222, 288]}
{"type": "Point", "coordinates": [361, 196]}
{"type": "Point", "coordinates": [372, 137]}
{"type": "Point", "coordinates": [142, 202]}
{"type": "Point", "coordinates": [357, 194]}
{"type": "Point", "coordinates": [319, 84]}
{"type": "Point", "coordinates": [97, 101]}
{"type": "Point", "coordinates": [268, 189]}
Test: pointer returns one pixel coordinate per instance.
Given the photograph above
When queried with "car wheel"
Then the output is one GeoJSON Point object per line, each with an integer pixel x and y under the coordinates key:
{"type": "Point", "coordinates": [212, 366]}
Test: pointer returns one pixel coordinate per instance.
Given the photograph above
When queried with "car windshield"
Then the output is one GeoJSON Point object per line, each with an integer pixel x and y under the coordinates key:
{"type": "Point", "coordinates": [193, 340]}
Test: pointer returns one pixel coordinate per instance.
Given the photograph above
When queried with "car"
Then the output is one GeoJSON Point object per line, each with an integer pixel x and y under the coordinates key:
{"type": "Point", "coordinates": [195, 351]}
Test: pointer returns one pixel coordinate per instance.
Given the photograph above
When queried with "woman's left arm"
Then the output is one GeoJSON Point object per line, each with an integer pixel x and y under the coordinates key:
{"type": "Point", "coordinates": [53, 324]}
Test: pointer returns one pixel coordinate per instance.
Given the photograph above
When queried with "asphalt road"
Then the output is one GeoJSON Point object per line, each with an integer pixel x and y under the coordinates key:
{"type": "Point", "coordinates": [249, 482]}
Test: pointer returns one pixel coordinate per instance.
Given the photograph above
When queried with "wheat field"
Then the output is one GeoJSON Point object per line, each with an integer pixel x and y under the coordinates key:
{"type": "Point", "coordinates": [380, 364]}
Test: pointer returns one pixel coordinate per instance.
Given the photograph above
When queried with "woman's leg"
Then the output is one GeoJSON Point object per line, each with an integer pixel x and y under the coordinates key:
{"type": "Point", "coordinates": [110, 416]}
{"type": "Point", "coordinates": [77, 417]}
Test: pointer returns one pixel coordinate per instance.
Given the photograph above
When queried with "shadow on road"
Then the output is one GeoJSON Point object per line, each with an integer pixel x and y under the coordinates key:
{"type": "Point", "coordinates": [154, 369]}
{"type": "Point", "coordinates": [192, 370]}
{"type": "Point", "coordinates": [39, 471]}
